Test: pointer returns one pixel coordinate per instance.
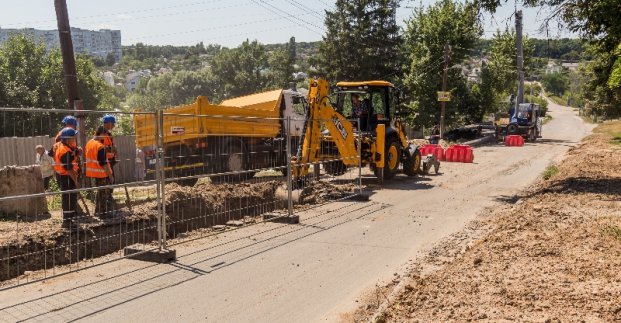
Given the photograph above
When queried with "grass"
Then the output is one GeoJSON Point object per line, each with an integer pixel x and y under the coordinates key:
{"type": "Point", "coordinates": [549, 172]}
{"type": "Point", "coordinates": [613, 231]}
{"type": "Point", "coordinates": [547, 119]}
{"type": "Point", "coordinates": [611, 128]}
{"type": "Point", "coordinates": [557, 100]}
{"type": "Point", "coordinates": [616, 138]}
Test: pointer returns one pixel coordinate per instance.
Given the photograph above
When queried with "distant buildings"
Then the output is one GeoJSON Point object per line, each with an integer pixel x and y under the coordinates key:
{"type": "Point", "coordinates": [96, 43]}
{"type": "Point", "coordinates": [133, 78]}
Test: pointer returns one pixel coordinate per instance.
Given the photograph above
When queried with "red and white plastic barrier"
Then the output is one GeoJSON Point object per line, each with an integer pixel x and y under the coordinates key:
{"type": "Point", "coordinates": [459, 154]}
{"type": "Point", "coordinates": [436, 150]}
{"type": "Point", "coordinates": [514, 141]}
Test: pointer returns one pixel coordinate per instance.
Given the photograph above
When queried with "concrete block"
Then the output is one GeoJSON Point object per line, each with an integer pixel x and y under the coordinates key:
{"type": "Point", "coordinates": [138, 252]}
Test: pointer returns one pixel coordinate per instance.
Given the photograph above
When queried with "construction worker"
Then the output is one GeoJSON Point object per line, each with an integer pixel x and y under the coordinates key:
{"type": "Point", "coordinates": [99, 171]}
{"type": "Point", "coordinates": [67, 169]}
{"type": "Point", "coordinates": [68, 122]}
{"type": "Point", "coordinates": [109, 122]}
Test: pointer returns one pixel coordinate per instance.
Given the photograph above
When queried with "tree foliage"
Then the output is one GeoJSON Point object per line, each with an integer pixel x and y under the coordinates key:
{"type": "Point", "coordinates": [362, 41]}
{"type": "Point", "coordinates": [428, 31]}
{"type": "Point", "coordinates": [32, 78]}
{"type": "Point", "coordinates": [170, 89]}
{"type": "Point", "coordinates": [555, 83]}
{"type": "Point", "coordinates": [598, 22]}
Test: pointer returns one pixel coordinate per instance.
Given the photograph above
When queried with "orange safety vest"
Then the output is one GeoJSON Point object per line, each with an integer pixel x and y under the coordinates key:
{"type": "Point", "coordinates": [109, 143]}
{"type": "Point", "coordinates": [60, 150]}
{"type": "Point", "coordinates": [93, 169]}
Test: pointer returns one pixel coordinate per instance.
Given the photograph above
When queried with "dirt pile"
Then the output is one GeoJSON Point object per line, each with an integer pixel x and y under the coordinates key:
{"type": "Point", "coordinates": [320, 192]}
{"type": "Point", "coordinates": [553, 255]}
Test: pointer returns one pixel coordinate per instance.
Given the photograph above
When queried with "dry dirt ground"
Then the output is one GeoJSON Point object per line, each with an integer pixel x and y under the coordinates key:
{"type": "Point", "coordinates": [551, 254]}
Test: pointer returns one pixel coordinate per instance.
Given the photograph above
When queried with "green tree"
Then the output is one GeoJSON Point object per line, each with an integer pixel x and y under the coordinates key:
{"type": "Point", "coordinates": [30, 78]}
{"type": "Point", "coordinates": [240, 71]}
{"type": "Point", "coordinates": [170, 89]}
{"type": "Point", "coordinates": [428, 31]}
{"type": "Point", "coordinates": [362, 41]}
{"type": "Point", "coordinates": [555, 83]}
{"type": "Point", "coordinates": [595, 21]}
{"type": "Point", "coordinates": [281, 64]}
{"type": "Point", "coordinates": [110, 59]}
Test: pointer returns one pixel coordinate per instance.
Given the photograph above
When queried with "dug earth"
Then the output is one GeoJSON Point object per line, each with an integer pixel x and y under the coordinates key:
{"type": "Point", "coordinates": [22, 181]}
{"type": "Point", "coordinates": [552, 254]}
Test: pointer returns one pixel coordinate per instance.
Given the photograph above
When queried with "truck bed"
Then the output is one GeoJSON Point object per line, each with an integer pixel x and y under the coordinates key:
{"type": "Point", "coordinates": [254, 115]}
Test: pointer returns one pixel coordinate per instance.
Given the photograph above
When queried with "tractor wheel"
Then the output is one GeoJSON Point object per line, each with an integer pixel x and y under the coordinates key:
{"type": "Point", "coordinates": [391, 159]}
{"type": "Point", "coordinates": [513, 129]}
{"type": "Point", "coordinates": [411, 166]}
{"type": "Point", "coordinates": [335, 168]}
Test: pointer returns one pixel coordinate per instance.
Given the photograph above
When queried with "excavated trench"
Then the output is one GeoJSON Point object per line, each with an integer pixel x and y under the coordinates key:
{"type": "Point", "coordinates": [187, 209]}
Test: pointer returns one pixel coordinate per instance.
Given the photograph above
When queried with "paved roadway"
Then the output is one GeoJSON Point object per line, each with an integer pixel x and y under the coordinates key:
{"type": "Point", "coordinates": [310, 272]}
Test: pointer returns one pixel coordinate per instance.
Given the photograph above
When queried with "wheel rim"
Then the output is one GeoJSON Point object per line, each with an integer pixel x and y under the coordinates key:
{"type": "Point", "coordinates": [392, 157]}
{"type": "Point", "coordinates": [235, 162]}
{"type": "Point", "coordinates": [416, 162]}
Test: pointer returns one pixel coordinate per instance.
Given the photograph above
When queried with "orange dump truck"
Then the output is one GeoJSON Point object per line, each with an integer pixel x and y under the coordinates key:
{"type": "Point", "coordinates": [240, 134]}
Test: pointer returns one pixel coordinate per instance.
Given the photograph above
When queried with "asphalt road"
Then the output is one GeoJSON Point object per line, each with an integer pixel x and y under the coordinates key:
{"type": "Point", "coordinates": [314, 271]}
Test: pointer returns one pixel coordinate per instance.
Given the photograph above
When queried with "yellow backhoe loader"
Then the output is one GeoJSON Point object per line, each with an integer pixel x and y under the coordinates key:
{"type": "Point", "coordinates": [365, 113]}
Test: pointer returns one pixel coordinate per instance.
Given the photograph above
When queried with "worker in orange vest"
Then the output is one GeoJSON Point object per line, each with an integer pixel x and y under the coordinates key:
{"type": "Point", "coordinates": [99, 171]}
{"type": "Point", "coordinates": [67, 169]}
{"type": "Point", "coordinates": [109, 121]}
{"type": "Point", "coordinates": [67, 122]}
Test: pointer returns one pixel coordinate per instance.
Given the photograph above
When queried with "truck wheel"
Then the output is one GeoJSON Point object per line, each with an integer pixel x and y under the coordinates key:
{"type": "Point", "coordinates": [234, 161]}
{"type": "Point", "coordinates": [335, 168]}
{"type": "Point", "coordinates": [411, 166]}
{"type": "Point", "coordinates": [391, 160]}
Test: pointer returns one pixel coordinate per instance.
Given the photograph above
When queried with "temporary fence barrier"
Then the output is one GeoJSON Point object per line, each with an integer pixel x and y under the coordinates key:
{"type": "Point", "coordinates": [459, 154]}
{"type": "Point", "coordinates": [203, 174]}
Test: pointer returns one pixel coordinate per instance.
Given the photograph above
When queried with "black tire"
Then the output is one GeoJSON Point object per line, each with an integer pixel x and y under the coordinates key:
{"type": "Point", "coordinates": [234, 161]}
{"type": "Point", "coordinates": [335, 168]}
{"type": "Point", "coordinates": [411, 166]}
{"type": "Point", "coordinates": [393, 154]}
{"type": "Point", "coordinates": [513, 129]}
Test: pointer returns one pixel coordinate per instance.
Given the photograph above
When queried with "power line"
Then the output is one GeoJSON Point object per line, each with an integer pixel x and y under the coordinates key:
{"type": "Point", "coordinates": [118, 13]}
{"type": "Point", "coordinates": [206, 29]}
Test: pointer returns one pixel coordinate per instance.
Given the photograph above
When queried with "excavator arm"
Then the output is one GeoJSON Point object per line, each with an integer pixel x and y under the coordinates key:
{"type": "Point", "coordinates": [322, 114]}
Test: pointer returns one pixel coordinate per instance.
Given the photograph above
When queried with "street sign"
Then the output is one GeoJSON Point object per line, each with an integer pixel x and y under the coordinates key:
{"type": "Point", "coordinates": [444, 96]}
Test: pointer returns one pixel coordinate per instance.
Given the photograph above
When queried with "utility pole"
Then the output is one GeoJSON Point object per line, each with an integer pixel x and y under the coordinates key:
{"type": "Point", "coordinates": [520, 57]}
{"type": "Point", "coordinates": [447, 52]}
{"type": "Point", "coordinates": [71, 79]}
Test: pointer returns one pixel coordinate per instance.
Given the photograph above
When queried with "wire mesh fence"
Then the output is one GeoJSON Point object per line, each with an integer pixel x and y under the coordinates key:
{"type": "Point", "coordinates": [193, 176]}
{"type": "Point", "coordinates": [52, 223]}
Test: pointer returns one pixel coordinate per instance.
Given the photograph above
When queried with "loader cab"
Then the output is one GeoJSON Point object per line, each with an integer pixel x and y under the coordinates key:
{"type": "Point", "coordinates": [377, 101]}
{"type": "Point", "coordinates": [526, 114]}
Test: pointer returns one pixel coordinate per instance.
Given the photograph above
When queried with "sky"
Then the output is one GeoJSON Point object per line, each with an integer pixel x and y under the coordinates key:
{"type": "Point", "coordinates": [224, 22]}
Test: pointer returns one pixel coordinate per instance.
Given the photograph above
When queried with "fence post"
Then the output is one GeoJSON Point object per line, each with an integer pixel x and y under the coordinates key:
{"type": "Point", "coordinates": [359, 159]}
{"type": "Point", "coordinates": [289, 173]}
{"type": "Point", "coordinates": [162, 178]}
{"type": "Point", "coordinates": [158, 179]}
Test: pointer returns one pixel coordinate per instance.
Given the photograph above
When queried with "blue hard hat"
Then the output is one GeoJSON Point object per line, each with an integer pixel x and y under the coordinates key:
{"type": "Point", "coordinates": [108, 119]}
{"type": "Point", "coordinates": [67, 133]}
{"type": "Point", "coordinates": [70, 121]}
